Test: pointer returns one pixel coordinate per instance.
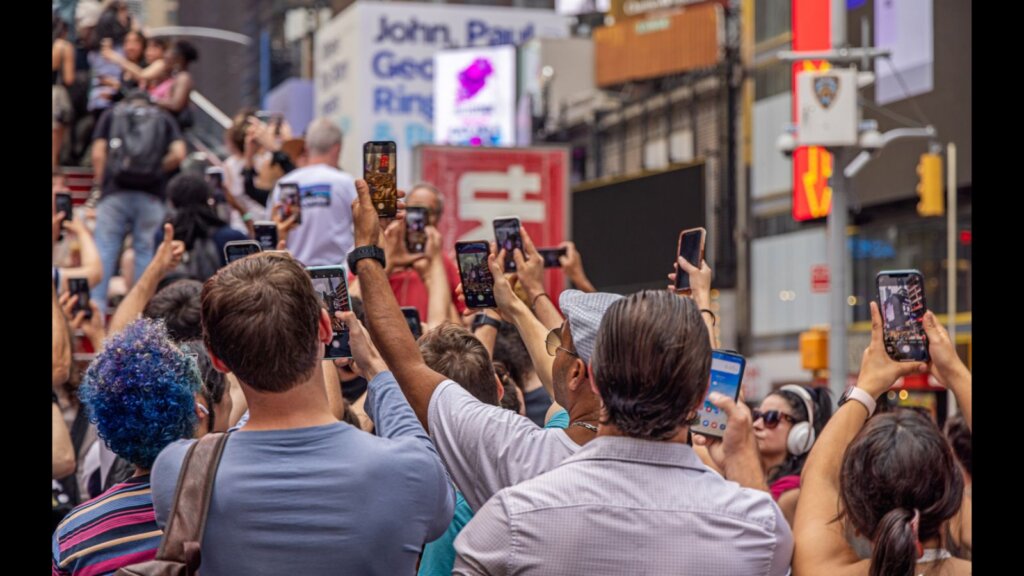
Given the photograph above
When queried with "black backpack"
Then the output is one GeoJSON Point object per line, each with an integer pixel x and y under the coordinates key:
{"type": "Point", "coordinates": [137, 146]}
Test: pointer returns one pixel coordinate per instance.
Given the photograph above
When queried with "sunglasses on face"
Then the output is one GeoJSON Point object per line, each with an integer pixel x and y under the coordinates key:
{"type": "Point", "coordinates": [771, 417]}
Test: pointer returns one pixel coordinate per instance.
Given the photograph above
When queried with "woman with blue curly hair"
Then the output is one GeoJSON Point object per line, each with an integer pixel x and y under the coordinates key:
{"type": "Point", "coordinates": [140, 394]}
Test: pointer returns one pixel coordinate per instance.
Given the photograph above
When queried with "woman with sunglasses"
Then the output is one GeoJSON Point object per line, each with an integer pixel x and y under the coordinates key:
{"type": "Point", "coordinates": [785, 425]}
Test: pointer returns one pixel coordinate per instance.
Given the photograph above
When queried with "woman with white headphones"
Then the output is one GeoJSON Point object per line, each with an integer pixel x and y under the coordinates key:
{"type": "Point", "coordinates": [785, 425]}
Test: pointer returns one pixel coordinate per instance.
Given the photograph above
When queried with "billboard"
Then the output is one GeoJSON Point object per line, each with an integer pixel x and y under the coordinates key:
{"type": "Point", "coordinates": [475, 96]}
{"type": "Point", "coordinates": [374, 66]}
{"type": "Point", "coordinates": [481, 184]}
{"type": "Point", "coordinates": [812, 165]}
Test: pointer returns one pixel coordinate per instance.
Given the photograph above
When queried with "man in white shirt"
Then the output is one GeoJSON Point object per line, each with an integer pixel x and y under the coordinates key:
{"type": "Point", "coordinates": [324, 235]}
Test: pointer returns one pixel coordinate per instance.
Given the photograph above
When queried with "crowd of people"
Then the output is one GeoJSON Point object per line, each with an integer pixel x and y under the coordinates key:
{"type": "Point", "coordinates": [536, 437]}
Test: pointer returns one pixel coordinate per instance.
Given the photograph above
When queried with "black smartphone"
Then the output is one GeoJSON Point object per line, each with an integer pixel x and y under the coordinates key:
{"type": "Point", "coordinates": [551, 256]}
{"type": "Point", "coordinates": [238, 249]}
{"type": "Point", "coordinates": [416, 229]}
{"type": "Point", "coordinates": [477, 282]}
{"type": "Point", "coordinates": [507, 235]}
{"type": "Point", "coordinates": [412, 318]}
{"type": "Point", "coordinates": [332, 288]}
{"type": "Point", "coordinates": [726, 376]}
{"type": "Point", "coordinates": [291, 201]}
{"type": "Point", "coordinates": [691, 248]}
{"type": "Point", "coordinates": [379, 173]}
{"type": "Point", "coordinates": [265, 234]}
{"type": "Point", "coordinates": [80, 287]}
{"type": "Point", "coordinates": [901, 300]}
{"type": "Point", "coordinates": [215, 177]}
{"type": "Point", "coordinates": [63, 204]}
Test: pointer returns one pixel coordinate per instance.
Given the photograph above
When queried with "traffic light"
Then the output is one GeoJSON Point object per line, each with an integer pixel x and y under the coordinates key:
{"type": "Point", "coordinates": [929, 187]}
{"type": "Point", "coordinates": [814, 349]}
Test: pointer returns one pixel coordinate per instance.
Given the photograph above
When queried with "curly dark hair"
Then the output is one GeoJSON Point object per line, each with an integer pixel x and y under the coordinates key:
{"type": "Point", "coordinates": [651, 363]}
{"type": "Point", "coordinates": [140, 393]}
{"type": "Point", "coordinates": [178, 306]}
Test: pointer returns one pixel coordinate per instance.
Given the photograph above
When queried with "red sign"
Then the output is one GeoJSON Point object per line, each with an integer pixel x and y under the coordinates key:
{"type": "Point", "coordinates": [820, 279]}
{"type": "Point", "coordinates": [481, 184]}
{"type": "Point", "coordinates": [812, 165]}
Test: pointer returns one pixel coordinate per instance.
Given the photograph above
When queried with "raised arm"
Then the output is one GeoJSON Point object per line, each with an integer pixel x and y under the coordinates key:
{"type": "Point", "coordinates": [700, 292]}
{"type": "Point", "coordinates": [92, 265]}
{"type": "Point", "coordinates": [168, 256]}
{"type": "Point", "coordinates": [572, 265]}
{"type": "Point", "coordinates": [439, 294]}
{"type": "Point", "coordinates": [60, 343]}
{"type": "Point", "coordinates": [530, 267]}
{"type": "Point", "coordinates": [823, 547]}
{"type": "Point", "coordinates": [63, 452]}
{"type": "Point", "coordinates": [946, 365]}
{"type": "Point", "coordinates": [384, 318]}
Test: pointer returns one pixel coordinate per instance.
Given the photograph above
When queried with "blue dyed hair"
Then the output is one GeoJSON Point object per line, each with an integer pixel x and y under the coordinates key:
{"type": "Point", "coordinates": [140, 392]}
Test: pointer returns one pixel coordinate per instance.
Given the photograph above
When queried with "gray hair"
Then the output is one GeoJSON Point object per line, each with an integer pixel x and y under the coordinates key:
{"type": "Point", "coordinates": [322, 135]}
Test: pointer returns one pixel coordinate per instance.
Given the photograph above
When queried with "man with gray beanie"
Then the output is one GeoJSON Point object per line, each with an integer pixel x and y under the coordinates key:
{"type": "Point", "coordinates": [323, 236]}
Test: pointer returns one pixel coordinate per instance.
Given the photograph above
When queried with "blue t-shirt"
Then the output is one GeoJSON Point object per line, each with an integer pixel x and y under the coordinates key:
{"type": "Point", "coordinates": [321, 499]}
{"type": "Point", "coordinates": [439, 555]}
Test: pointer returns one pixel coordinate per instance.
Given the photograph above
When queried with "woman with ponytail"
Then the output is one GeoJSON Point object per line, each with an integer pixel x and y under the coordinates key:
{"type": "Point", "coordinates": [892, 479]}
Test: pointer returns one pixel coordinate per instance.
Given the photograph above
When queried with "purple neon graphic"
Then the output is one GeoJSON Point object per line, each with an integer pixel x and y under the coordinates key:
{"type": "Point", "coordinates": [473, 78]}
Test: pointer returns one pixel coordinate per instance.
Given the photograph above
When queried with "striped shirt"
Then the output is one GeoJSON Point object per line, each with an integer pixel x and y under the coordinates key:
{"type": "Point", "coordinates": [115, 529]}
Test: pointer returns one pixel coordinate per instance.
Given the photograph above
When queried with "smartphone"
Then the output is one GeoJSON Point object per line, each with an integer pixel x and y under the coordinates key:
{"type": "Point", "coordinates": [901, 300]}
{"type": "Point", "coordinates": [416, 229]}
{"type": "Point", "coordinates": [330, 285]}
{"type": "Point", "coordinates": [691, 248]}
{"type": "Point", "coordinates": [507, 235]}
{"type": "Point", "coordinates": [412, 318]}
{"type": "Point", "coordinates": [551, 256]}
{"type": "Point", "coordinates": [477, 282]}
{"type": "Point", "coordinates": [63, 204]}
{"type": "Point", "coordinates": [291, 201]}
{"type": "Point", "coordinates": [726, 375]}
{"type": "Point", "coordinates": [379, 173]}
{"type": "Point", "coordinates": [80, 287]}
{"type": "Point", "coordinates": [215, 177]}
{"type": "Point", "coordinates": [238, 249]}
{"type": "Point", "coordinates": [266, 234]}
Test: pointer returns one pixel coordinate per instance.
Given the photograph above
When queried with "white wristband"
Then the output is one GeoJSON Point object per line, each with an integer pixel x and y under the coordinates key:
{"type": "Point", "coordinates": [863, 397]}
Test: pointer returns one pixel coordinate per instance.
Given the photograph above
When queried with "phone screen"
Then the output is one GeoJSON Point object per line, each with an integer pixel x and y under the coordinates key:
{"type": "Point", "coordinates": [412, 318]}
{"type": "Point", "coordinates": [80, 287]}
{"type": "Point", "coordinates": [691, 248]}
{"type": "Point", "coordinates": [291, 202]}
{"type": "Point", "coordinates": [726, 376]}
{"type": "Point", "coordinates": [63, 202]}
{"type": "Point", "coordinates": [330, 285]}
{"type": "Point", "coordinates": [379, 173]}
{"type": "Point", "coordinates": [551, 256]}
{"type": "Point", "coordinates": [240, 249]}
{"type": "Point", "coordinates": [506, 234]}
{"type": "Point", "coordinates": [477, 282]}
{"type": "Point", "coordinates": [416, 229]}
{"type": "Point", "coordinates": [901, 300]}
{"type": "Point", "coordinates": [266, 235]}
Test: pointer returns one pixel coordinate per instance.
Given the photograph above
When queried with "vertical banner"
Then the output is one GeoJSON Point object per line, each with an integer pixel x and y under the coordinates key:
{"type": "Point", "coordinates": [481, 184]}
{"type": "Point", "coordinates": [812, 165]}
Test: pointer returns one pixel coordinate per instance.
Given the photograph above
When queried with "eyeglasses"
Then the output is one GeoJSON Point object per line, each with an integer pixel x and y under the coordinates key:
{"type": "Point", "coordinates": [771, 418]}
{"type": "Point", "coordinates": [554, 343]}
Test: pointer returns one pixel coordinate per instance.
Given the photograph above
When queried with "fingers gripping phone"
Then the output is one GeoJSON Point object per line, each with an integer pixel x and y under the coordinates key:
{"type": "Point", "coordinates": [291, 201]}
{"type": "Point", "coordinates": [477, 282]}
{"type": "Point", "coordinates": [416, 229]}
{"type": "Point", "coordinates": [266, 234]}
{"type": "Point", "coordinates": [80, 287]}
{"type": "Point", "coordinates": [551, 256]}
{"type": "Point", "coordinates": [379, 173]}
{"type": "Point", "coordinates": [901, 301]}
{"type": "Point", "coordinates": [412, 318]}
{"type": "Point", "coordinates": [691, 248]}
{"type": "Point", "coordinates": [238, 249]}
{"type": "Point", "coordinates": [726, 376]}
{"type": "Point", "coordinates": [508, 236]}
{"type": "Point", "coordinates": [63, 204]}
{"type": "Point", "coordinates": [330, 285]}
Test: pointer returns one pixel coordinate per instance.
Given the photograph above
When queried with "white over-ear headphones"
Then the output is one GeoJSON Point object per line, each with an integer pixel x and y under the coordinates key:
{"type": "Point", "coordinates": [801, 435]}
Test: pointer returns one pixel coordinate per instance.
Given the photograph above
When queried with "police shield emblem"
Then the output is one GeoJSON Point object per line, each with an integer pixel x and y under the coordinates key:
{"type": "Point", "coordinates": [825, 90]}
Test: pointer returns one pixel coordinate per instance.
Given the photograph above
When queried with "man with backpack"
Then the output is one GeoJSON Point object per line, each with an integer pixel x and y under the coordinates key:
{"type": "Point", "coordinates": [136, 148]}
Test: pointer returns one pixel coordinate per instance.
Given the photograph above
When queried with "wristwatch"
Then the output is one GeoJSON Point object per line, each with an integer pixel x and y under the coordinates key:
{"type": "Point", "coordinates": [861, 396]}
{"type": "Point", "coordinates": [485, 320]}
{"type": "Point", "coordinates": [368, 251]}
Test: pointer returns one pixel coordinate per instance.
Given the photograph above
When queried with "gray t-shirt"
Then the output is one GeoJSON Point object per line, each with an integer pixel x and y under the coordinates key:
{"type": "Point", "coordinates": [321, 500]}
{"type": "Point", "coordinates": [486, 448]}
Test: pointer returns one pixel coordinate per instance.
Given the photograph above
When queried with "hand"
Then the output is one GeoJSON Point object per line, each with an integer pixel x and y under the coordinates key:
{"type": "Point", "coordinates": [739, 440]}
{"type": "Point", "coordinates": [945, 364]}
{"type": "Point", "coordinates": [251, 145]}
{"type": "Point", "coordinates": [283, 226]}
{"type": "Point", "coordinates": [504, 294]}
{"type": "Point", "coordinates": [432, 252]}
{"type": "Point", "coordinates": [468, 312]}
{"type": "Point", "coordinates": [76, 228]}
{"type": "Point", "coordinates": [92, 327]}
{"type": "Point", "coordinates": [365, 221]}
{"type": "Point", "coordinates": [56, 226]}
{"type": "Point", "coordinates": [282, 244]}
{"type": "Point", "coordinates": [396, 253]}
{"type": "Point", "coordinates": [529, 270]}
{"type": "Point", "coordinates": [367, 360]}
{"type": "Point", "coordinates": [263, 134]}
{"type": "Point", "coordinates": [700, 280]}
{"type": "Point", "coordinates": [878, 372]}
{"type": "Point", "coordinates": [168, 254]}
